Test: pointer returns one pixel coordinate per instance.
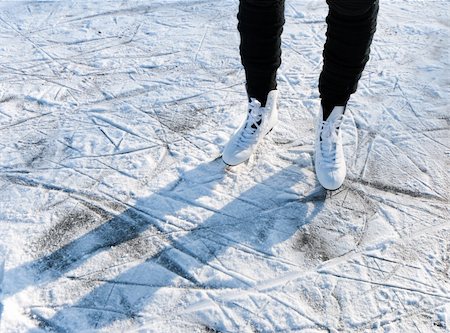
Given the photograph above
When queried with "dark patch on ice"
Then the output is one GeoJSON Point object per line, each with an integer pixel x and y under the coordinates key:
{"type": "Point", "coordinates": [73, 224]}
{"type": "Point", "coordinates": [211, 330]}
{"type": "Point", "coordinates": [44, 324]}
{"type": "Point", "coordinates": [337, 229]}
{"type": "Point", "coordinates": [311, 245]}
{"type": "Point", "coordinates": [183, 118]}
{"type": "Point", "coordinates": [32, 150]}
{"type": "Point", "coordinates": [7, 99]}
{"type": "Point", "coordinates": [69, 226]}
{"type": "Point", "coordinates": [81, 233]}
{"type": "Point", "coordinates": [263, 232]}
{"type": "Point", "coordinates": [144, 246]}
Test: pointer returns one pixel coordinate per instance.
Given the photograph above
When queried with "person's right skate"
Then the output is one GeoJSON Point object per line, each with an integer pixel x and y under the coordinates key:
{"type": "Point", "coordinates": [260, 121]}
{"type": "Point", "coordinates": [329, 161]}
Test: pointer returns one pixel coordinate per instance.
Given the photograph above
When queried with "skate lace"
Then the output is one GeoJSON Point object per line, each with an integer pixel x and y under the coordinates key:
{"type": "Point", "coordinates": [328, 140]}
{"type": "Point", "coordinates": [252, 125]}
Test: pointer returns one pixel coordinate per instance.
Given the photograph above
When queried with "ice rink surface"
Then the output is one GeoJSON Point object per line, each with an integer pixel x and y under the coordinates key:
{"type": "Point", "coordinates": [118, 215]}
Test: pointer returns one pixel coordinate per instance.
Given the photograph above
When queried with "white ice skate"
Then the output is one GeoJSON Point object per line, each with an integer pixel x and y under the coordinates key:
{"type": "Point", "coordinates": [329, 153]}
{"type": "Point", "coordinates": [259, 122]}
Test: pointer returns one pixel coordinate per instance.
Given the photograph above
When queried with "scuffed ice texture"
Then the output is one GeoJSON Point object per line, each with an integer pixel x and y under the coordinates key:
{"type": "Point", "coordinates": [118, 214]}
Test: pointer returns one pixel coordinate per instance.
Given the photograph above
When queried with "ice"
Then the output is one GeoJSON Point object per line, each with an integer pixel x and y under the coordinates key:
{"type": "Point", "coordinates": [118, 215]}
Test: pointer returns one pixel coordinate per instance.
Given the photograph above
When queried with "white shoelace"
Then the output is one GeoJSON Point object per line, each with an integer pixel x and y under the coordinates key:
{"type": "Point", "coordinates": [328, 139]}
{"type": "Point", "coordinates": [252, 126]}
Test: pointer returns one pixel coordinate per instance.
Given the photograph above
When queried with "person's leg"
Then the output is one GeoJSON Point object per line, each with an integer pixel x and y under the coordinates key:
{"type": "Point", "coordinates": [351, 26]}
{"type": "Point", "coordinates": [260, 26]}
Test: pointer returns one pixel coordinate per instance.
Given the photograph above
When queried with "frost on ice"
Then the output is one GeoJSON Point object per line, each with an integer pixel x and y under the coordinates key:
{"type": "Point", "coordinates": [118, 215]}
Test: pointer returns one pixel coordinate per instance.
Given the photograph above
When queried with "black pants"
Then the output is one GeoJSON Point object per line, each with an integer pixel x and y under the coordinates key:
{"type": "Point", "coordinates": [351, 26]}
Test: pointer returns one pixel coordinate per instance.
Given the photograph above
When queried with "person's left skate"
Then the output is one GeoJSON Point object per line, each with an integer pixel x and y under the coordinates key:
{"type": "Point", "coordinates": [329, 153]}
{"type": "Point", "coordinates": [260, 121]}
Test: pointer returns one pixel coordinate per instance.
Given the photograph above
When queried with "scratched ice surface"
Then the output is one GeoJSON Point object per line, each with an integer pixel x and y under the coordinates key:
{"type": "Point", "coordinates": [118, 215]}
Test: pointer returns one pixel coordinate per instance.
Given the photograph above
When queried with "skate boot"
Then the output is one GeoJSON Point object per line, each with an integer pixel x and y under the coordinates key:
{"type": "Point", "coordinates": [329, 153]}
{"type": "Point", "coordinates": [260, 121]}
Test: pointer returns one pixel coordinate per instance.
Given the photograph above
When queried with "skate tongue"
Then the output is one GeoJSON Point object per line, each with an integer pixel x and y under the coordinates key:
{"type": "Point", "coordinates": [336, 113]}
{"type": "Point", "coordinates": [331, 124]}
{"type": "Point", "coordinates": [329, 133]}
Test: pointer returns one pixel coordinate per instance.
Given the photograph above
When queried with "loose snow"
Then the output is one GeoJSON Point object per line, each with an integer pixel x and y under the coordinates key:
{"type": "Point", "coordinates": [118, 215]}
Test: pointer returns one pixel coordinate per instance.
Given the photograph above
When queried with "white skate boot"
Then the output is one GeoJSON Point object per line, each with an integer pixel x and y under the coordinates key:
{"type": "Point", "coordinates": [329, 153]}
{"type": "Point", "coordinates": [260, 121]}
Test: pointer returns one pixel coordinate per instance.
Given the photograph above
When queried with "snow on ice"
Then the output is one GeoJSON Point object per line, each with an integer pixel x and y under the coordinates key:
{"type": "Point", "coordinates": [118, 215]}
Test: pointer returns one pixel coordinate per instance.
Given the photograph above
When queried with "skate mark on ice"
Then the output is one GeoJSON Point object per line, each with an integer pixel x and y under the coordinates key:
{"type": "Point", "coordinates": [394, 189]}
{"type": "Point", "coordinates": [187, 286]}
{"type": "Point", "coordinates": [25, 181]}
{"type": "Point", "coordinates": [392, 273]}
{"type": "Point", "coordinates": [387, 285]}
{"type": "Point", "coordinates": [23, 121]}
{"type": "Point", "coordinates": [123, 152]}
{"type": "Point", "coordinates": [42, 322]}
{"type": "Point", "coordinates": [390, 318]}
